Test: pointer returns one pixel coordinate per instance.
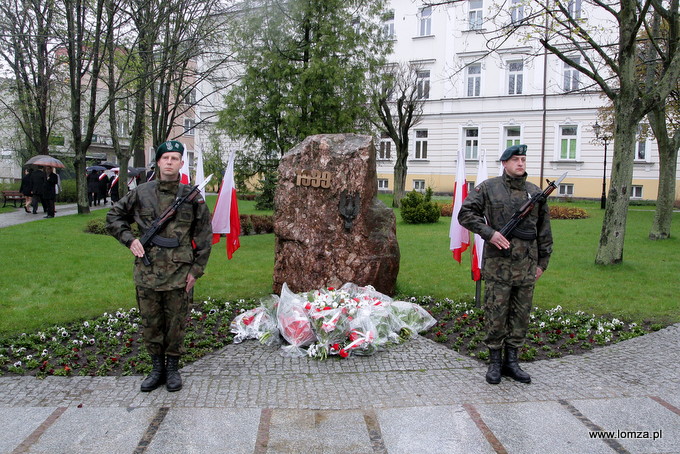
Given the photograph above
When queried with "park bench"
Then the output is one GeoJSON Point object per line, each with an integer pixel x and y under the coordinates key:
{"type": "Point", "coordinates": [12, 196]}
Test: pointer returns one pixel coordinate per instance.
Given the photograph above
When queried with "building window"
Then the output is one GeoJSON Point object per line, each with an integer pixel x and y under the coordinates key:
{"type": "Point", "coordinates": [473, 79]}
{"type": "Point", "coordinates": [566, 190]}
{"type": "Point", "coordinates": [571, 76]}
{"type": "Point", "coordinates": [475, 16]}
{"type": "Point", "coordinates": [385, 147]}
{"type": "Point", "coordinates": [641, 150]}
{"type": "Point", "coordinates": [425, 22]}
{"type": "Point", "coordinates": [512, 135]}
{"type": "Point", "coordinates": [388, 25]}
{"type": "Point", "coordinates": [421, 144]}
{"type": "Point", "coordinates": [471, 143]}
{"type": "Point", "coordinates": [516, 11]}
{"type": "Point", "coordinates": [123, 128]}
{"type": "Point", "coordinates": [574, 8]}
{"type": "Point", "coordinates": [641, 144]}
{"type": "Point", "coordinates": [568, 142]}
{"type": "Point", "coordinates": [189, 125]}
{"type": "Point", "coordinates": [423, 84]}
{"type": "Point", "coordinates": [383, 183]}
{"type": "Point", "coordinates": [419, 185]}
{"type": "Point", "coordinates": [190, 97]}
{"type": "Point", "coordinates": [636, 192]}
{"type": "Point", "coordinates": [515, 77]}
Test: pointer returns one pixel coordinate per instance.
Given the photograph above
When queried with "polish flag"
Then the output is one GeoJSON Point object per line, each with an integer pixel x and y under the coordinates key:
{"type": "Point", "coordinates": [460, 236]}
{"type": "Point", "coordinates": [478, 249]}
{"type": "Point", "coordinates": [184, 172]}
{"type": "Point", "coordinates": [200, 176]}
{"type": "Point", "coordinates": [226, 218]}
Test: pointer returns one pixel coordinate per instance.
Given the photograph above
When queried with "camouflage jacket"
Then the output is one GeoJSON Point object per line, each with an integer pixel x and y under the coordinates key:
{"type": "Point", "coordinates": [488, 207]}
{"type": "Point", "coordinates": [169, 266]}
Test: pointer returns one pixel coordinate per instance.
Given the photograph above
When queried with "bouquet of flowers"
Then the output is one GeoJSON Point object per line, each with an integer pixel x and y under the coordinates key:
{"type": "Point", "coordinates": [258, 323]}
{"type": "Point", "coordinates": [350, 320]}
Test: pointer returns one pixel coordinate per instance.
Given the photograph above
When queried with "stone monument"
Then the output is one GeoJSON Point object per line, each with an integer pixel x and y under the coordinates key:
{"type": "Point", "coordinates": [330, 226]}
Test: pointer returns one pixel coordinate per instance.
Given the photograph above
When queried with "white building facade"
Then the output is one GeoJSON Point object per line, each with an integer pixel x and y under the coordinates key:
{"type": "Point", "coordinates": [483, 102]}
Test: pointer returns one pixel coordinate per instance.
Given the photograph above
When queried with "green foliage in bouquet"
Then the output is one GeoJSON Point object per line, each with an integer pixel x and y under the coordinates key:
{"type": "Point", "coordinates": [417, 208]}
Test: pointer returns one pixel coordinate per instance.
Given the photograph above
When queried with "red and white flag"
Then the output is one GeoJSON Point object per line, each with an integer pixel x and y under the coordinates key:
{"type": "Point", "coordinates": [460, 236]}
{"type": "Point", "coordinates": [200, 176]}
{"type": "Point", "coordinates": [184, 172]}
{"type": "Point", "coordinates": [226, 218]}
{"type": "Point", "coordinates": [478, 248]}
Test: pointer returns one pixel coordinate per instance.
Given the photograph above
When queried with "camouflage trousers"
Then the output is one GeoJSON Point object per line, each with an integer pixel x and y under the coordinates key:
{"type": "Point", "coordinates": [164, 317]}
{"type": "Point", "coordinates": [506, 313]}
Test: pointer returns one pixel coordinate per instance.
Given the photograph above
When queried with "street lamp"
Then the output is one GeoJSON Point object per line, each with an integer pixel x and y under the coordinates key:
{"type": "Point", "coordinates": [604, 138]}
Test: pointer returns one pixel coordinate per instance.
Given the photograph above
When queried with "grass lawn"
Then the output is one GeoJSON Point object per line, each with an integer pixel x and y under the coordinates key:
{"type": "Point", "coordinates": [54, 273]}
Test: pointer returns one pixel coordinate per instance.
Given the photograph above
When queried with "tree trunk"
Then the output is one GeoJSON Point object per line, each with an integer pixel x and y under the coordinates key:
{"type": "Point", "coordinates": [610, 251]}
{"type": "Point", "coordinates": [668, 161]}
{"type": "Point", "coordinates": [400, 170]}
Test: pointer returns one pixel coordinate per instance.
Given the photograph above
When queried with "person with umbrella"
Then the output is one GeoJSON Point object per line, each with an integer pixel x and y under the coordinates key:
{"type": "Point", "coordinates": [37, 188]}
{"type": "Point", "coordinates": [49, 195]}
{"type": "Point", "coordinates": [93, 186]}
{"type": "Point", "coordinates": [26, 188]}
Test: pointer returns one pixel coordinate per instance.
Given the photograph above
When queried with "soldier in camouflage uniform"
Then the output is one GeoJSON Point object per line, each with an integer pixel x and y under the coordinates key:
{"type": "Point", "coordinates": [512, 265]}
{"type": "Point", "coordinates": [165, 288]}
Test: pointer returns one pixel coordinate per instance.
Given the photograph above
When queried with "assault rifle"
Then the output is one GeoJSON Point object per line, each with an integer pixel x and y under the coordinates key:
{"type": "Point", "coordinates": [151, 235]}
{"type": "Point", "coordinates": [529, 205]}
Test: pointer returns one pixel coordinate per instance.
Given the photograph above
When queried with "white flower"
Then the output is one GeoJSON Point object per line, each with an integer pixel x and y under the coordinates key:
{"type": "Point", "coordinates": [29, 357]}
{"type": "Point", "coordinates": [44, 352]}
{"type": "Point", "coordinates": [86, 324]}
{"type": "Point", "coordinates": [17, 364]}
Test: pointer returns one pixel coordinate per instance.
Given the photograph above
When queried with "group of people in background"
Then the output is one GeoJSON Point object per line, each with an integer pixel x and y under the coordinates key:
{"type": "Point", "coordinates": [40, 186]}
{"type": "Point", "coordinates": [99, 185]}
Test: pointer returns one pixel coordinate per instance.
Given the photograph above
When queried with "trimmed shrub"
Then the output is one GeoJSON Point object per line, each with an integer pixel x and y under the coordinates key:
{"type": "Point", "coordinates": [68, 192]}
{"type": "Point", "coordinates": [417, 208]}
{"type": "Point", "coordinates": [262, 224]}
{"type": "Point", "coordinates": [562, 212]}
{"type": "Point", "coordinates": [446, 209]}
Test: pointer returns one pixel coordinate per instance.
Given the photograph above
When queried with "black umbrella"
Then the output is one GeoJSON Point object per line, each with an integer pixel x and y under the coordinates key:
{"type": "Point", "coordinates": [108, 164]}
{"type": "Point", "coordinates": [91, 168]}
{"type": "Point", "coordinates": [134, 171]}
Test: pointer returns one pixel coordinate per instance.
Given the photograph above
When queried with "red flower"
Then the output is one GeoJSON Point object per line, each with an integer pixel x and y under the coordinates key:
{"type": "Point", "coordinates": [572, 335]}
{"type": "Point", "coordinates": [308, 306]}
{"type": "Point", "coordinates": [343, 353]}
{"type": "Point", "coordinates": [75, 349]}
{"type": "Point", "coordinates": [248, 320]}
{"type": "Point", "coordinates": [558, 331]}
{"type": "Point", "coordinates": [335, 347]}
{"type": "Point", "coordinates": [331, 288]}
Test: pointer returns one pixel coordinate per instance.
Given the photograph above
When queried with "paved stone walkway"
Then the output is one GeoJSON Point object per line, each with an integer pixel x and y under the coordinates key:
{"type": "Point", "coordinates": [418, 397]}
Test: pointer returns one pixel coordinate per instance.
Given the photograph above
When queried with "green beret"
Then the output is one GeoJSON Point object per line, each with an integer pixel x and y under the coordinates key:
{"type": "Point", "coordinates": [519, 150]}
{"type": "Point", "coordinates": [170, 145]}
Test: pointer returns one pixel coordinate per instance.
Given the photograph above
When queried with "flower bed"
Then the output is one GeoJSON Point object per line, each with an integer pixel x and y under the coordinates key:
{"type": "Point", "coordinates": [350, 320]}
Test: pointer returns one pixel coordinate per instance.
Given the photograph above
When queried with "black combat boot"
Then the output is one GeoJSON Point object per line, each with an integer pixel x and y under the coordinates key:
{"type": "Point", "coordinates": [157, 375]}
{"type": "Point", "coordinates": [173, 381]}
{"type": "Point", "coordinates": [493, 375]}
{"type": "Point", "coordinates": [511, 366]}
